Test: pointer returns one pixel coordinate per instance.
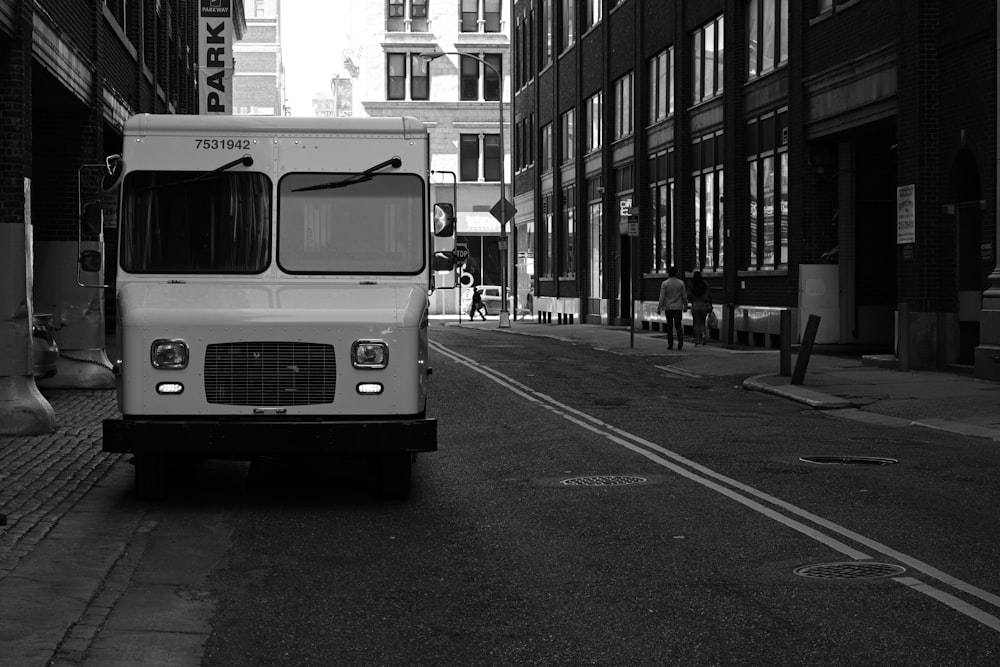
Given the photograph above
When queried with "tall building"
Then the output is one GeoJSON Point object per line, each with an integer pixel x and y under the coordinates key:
{"type": "Point", "coordinates": [834, 158]}
{"type": "Point", "coordinates": [259, 79]}
{"type": "Point", "coordinates": [71, 73]}
{"type": "Point", "coordinates": [461, 96]}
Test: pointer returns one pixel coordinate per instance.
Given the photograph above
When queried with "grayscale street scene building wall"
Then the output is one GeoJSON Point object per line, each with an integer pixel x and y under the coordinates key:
{"type": "Point", "coordinates": [457, 97]}
{"type": "Point", "coordinates": [831, 157]}
{"type": "Point", "coordinates": [71, 73]}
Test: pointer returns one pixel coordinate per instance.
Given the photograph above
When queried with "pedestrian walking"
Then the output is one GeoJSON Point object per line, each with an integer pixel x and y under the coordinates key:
{"type": "Point", "coordinates": [673, 303]}
{"type": "Point", "coordinates": [701, 305]}
{"type": "Point", "coordinates": [477, 305]}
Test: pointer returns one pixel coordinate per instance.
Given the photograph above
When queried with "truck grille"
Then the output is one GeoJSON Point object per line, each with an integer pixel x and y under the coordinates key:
{"type": "Point", "coordinates": [270, 374]}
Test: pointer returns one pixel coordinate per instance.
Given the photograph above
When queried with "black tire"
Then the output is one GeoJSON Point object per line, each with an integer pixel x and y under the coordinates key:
{"type": "Point", "coordinates": [394, 476]}
{"type": "Point", "coordinates": [150, 476]}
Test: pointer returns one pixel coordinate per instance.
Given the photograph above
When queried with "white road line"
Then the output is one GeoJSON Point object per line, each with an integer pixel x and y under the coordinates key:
{"type": "Point", "coordinates": [700, 474]}
{"type": "Point", "coordinates": [958, 605]}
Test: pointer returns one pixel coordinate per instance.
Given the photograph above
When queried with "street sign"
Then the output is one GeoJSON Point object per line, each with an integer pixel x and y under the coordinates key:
{"type": "Point", "coordinates": [508, 209]}
{"type": "Point", "coordinates": [461, 252]}
{"type": "Point", "coordinates": [502, 242]}
{"type": "Point", "coordinates": [633, 228]}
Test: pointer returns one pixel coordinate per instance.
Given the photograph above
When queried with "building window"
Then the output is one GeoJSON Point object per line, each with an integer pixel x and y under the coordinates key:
{"type": "Point", "coordinates": [661, 191]}
{"type": "Point", "coordinates": [546, 146]}
{"type": "Point", "coordinates": [567, 30]}
{"type": "Point", "coordinates": [567, 135]}
{"type": "Point", "coordinates": [420, 80]}
{"type": "Point", "coordinates": [548, 20]}
{"type": "Point", "coordinates": [661, 85]}
{"type": "Point", "coordinates": [547, 237]}
{"type": "Point", "coordinates": [492, 157]}
{"type": "Point", "coordinates": [830, 6]}
{"type": "Point", "coordinates": [490, 19]}
{"type": "Point", "coordinates": [708, 59]}
{"type": "Point", "coordinates": [767, 158]}
{"type": "Point", "coordinates": [258, 8]}
{"type": "Point", "coordinates": [492, 13]}
{"type": "Point", "coordinates": [473, 70]}
{"type": "Point", "coordinates": [396, 76]}
{"type": "Point", "coordinates": [470, 15]}
{"type": "Point", "coordinates": [567, 233]}
{"type": "Point", "coordinates": [524, 134]}
{"type": "Point", "coordinates": [767, 36]}
{"type": "Point", "coordinates": [406, 16]}
{"type": "Point", "coordinates": [595, 215]}
{"type": "Point", "coordinates": [119, 9]}
{"type": "Point", "coordinates": [623, 106]}
{"type": "Point", "coordinates": [707, 156]}
{"type": "Point", "coordinates": [471, 147]}
{"type": "Point", "coordinates": [594, 120]}
{"type": "Point", "coordinates": [592, 13]}
{"type": "Point", "coordinates": [469, 157]}
{"type": "Point", "coordinates": [491, 80]}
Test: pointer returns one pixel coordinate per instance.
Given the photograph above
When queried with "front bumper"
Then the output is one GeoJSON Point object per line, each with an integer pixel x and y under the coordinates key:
{"type": "Point", "coordinates": [241, 439]}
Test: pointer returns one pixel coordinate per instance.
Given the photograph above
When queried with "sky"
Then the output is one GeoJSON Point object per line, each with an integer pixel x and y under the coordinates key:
{"type": "Point", "coordinates": [313, 35]}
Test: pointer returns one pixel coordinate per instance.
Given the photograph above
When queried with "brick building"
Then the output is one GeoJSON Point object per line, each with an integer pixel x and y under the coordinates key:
{"type": "Point", "coordinates": [460, 99]}
{"type": "Point", "coordinates": [829, 157]}
{"type": "Point", "coordinates": [259, 77]}
{"type": "Point", "coordinates": [70, 74]}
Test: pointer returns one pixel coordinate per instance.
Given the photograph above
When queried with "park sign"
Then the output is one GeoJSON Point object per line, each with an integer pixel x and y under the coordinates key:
{"type": "Point", "coordinates": [215, 57]}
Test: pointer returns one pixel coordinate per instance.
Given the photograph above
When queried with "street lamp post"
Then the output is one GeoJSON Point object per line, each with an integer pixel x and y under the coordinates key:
{"type": "Point", "coordinates": [504, 313]}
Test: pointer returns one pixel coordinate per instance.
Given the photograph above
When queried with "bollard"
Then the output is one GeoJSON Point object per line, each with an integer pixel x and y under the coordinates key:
{"type": "Point", "coordinates": [806, 349]}
{"type": "Point", "coordinates": [786, 343]}
{"type": "Point", "coordinates": [730, 316]}
{"type": "Point", "coordinates": [903, 343]}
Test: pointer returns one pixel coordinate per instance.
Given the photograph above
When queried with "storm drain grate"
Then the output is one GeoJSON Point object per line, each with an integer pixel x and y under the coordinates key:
{"type": "Point", "coordinates": [849, 570]}
{"type": "Point", "coordinates": [604, 480]}
{"type": "Point", "coordinates": [850, 460]}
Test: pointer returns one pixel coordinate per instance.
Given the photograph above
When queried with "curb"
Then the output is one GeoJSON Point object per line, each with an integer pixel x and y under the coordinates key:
{"type": "Point", "coordinates": [810, 397]}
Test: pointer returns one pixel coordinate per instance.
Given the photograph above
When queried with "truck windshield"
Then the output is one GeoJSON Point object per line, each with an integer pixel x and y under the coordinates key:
{"type": "Point", "coordinates": [373, 225]}
{"type": "Point", "coordinates": [190, 222]}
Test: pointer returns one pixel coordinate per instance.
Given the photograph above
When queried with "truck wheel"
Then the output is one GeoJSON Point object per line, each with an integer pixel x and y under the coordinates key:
{"type": "Point", "coordinates": [150, 475]}
{"type": "Point", "coordinates": [394, 475]}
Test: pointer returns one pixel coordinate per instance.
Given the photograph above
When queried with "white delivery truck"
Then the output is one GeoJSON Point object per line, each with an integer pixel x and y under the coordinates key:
{"type": "Point", "coordinates": [272, 291]}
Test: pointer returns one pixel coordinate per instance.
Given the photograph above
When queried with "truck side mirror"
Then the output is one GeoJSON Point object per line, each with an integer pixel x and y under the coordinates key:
{"type": "Point", "coordinates": [444, 220]}
{"type": "Point", "coordinates": [90, 260]}
{"type": "Point", "coordinates": [92, 218]}
{"type": "Point", "coordinates": [113, 176]}
{"type": "Point", "coordinates": [444, 260]}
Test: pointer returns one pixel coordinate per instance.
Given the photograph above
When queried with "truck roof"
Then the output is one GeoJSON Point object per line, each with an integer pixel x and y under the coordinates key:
{"type": "Point", "coordinates": [146, 123]}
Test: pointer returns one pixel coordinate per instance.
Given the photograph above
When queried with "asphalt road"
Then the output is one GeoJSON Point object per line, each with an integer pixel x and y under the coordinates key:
{"type": "Point", "coordinates": [585, 507]}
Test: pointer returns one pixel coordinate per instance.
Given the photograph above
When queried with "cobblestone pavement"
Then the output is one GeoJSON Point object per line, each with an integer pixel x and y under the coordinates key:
{"type": "Point", "coordinates": [42, 477]}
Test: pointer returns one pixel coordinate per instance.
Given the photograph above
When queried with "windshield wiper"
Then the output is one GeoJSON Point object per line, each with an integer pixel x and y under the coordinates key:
{"type": "Point", "coordinates": [246, 161]}
{"type": "Point", "coordinates": [353, 179]}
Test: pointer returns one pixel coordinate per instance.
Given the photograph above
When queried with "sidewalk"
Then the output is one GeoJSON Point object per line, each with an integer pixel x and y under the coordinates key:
{"type": "Point", "coordinates": [853, 387]}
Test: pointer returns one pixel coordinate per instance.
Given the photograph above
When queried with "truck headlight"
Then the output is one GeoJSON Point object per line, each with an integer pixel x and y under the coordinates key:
{"type": "Point", "coordinates": [168, 354]}
{"type": "Point", "coordinates": [369, 354]}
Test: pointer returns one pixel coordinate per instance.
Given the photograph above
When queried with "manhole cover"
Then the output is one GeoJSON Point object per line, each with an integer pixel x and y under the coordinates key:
{"type": "Point", "coordinates": [850, 460]}
{"type": "Point", "coordinates": [850, 570]}
{"type": "Point", "coordinates": [604, 480]}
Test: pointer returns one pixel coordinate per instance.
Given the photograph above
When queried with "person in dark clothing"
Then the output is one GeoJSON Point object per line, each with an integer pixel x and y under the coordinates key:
{"type": "Point", "coordinates": [477, 305]}
{"type": "Point", "coordinates": [701, 304]}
